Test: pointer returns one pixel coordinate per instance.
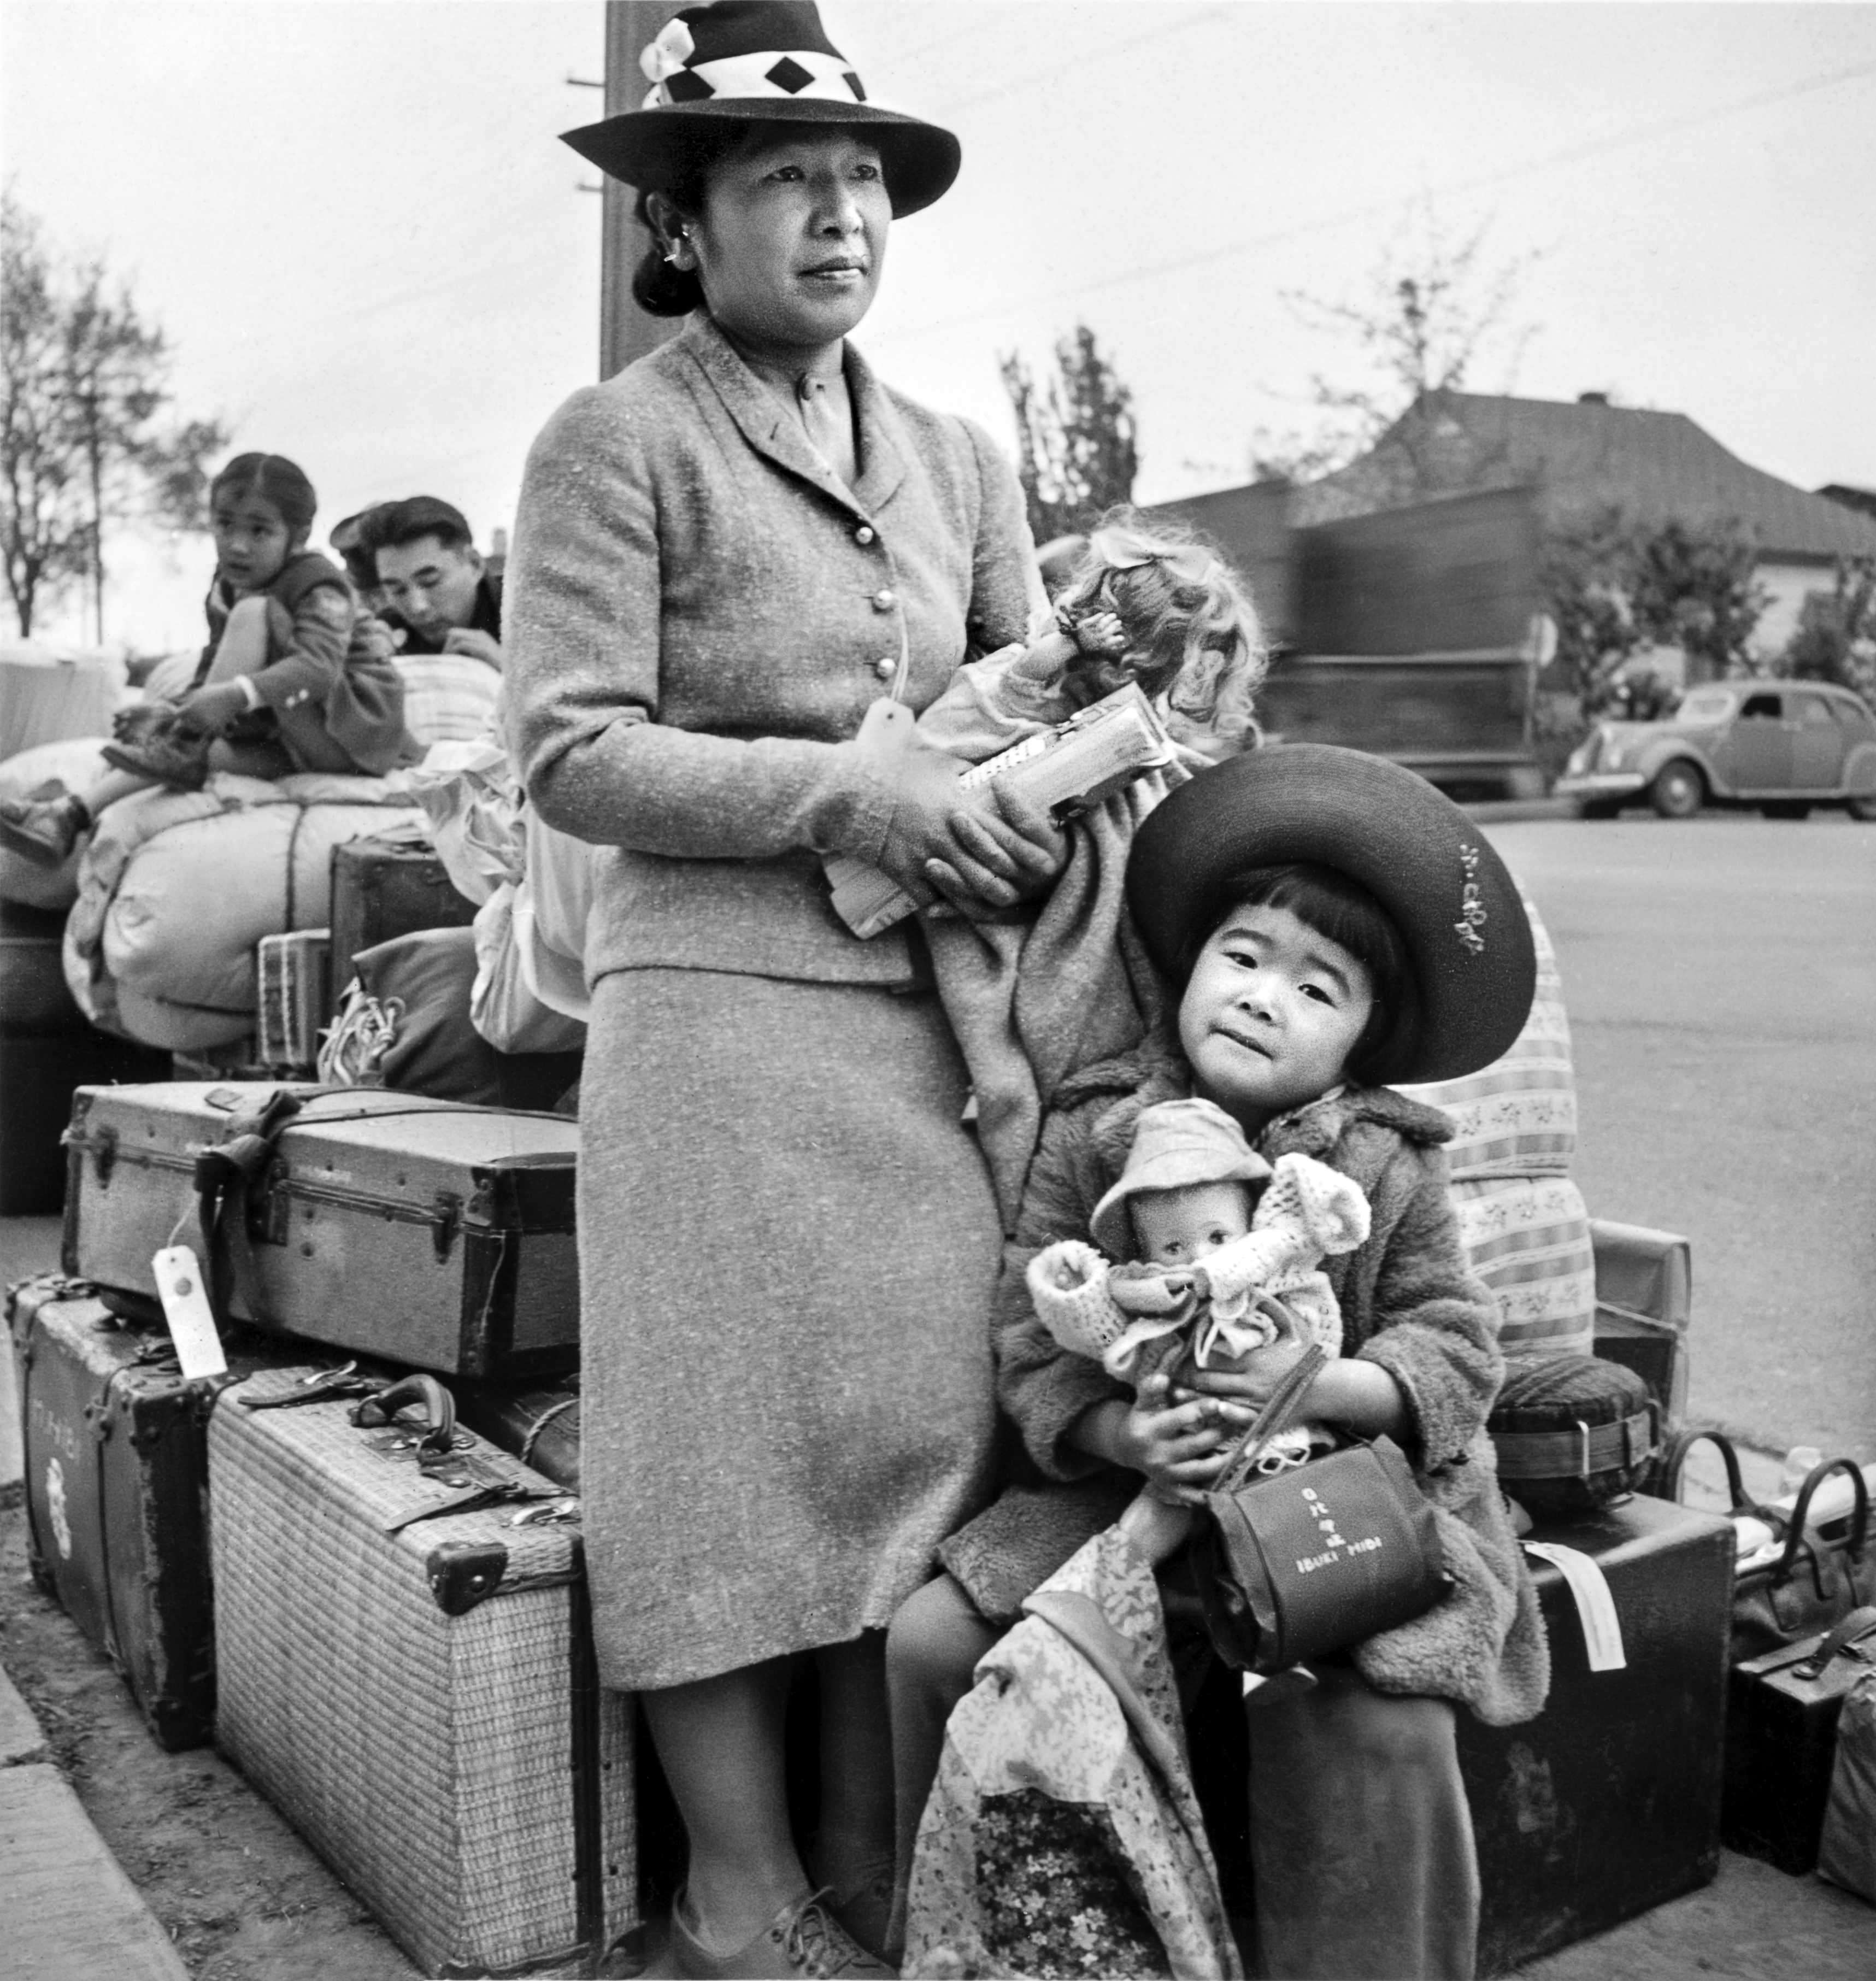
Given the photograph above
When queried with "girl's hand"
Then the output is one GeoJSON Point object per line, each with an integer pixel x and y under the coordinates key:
{"type": "Point", "coordinates": [1101, 636]}
{"type": "Point", "coordinates": [208, 712]}
{"type": "Point", "coordinates": [1179, 1446]}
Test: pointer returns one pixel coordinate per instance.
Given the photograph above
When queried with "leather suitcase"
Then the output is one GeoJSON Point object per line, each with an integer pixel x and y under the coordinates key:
{"type": "Point", "coordinates": [1782, 1712]}
{"type": "Point", "coordinates": [406, 1671]}
{"type": "Point", "coordinates": [1608, 1802]}
{"type": "Point", "coordinates": [427, 1232]}
{"type": "Point", "coordinates": [384, 887]}
{"type": "Point", "coordinates": [539, 1423]}
{"type": "Point", "coordinates": [116, 1470]}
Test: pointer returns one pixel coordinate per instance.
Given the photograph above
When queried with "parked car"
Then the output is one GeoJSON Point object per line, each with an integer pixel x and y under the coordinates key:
{"type": "Point", "coordinates": [1782, 746]}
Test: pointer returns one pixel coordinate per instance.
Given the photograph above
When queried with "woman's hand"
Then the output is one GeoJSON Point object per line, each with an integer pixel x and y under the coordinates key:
{"type": "Point", "coordinates": [1179, 1446]}
{"type": "Point", "coordinates": [1004, 849]}
{"type": "Point", "coordinates": [981, 850]}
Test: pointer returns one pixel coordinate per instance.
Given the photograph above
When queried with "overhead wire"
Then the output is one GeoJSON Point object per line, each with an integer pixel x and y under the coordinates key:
{"type": "Point", "coordinates": [1326, 223]}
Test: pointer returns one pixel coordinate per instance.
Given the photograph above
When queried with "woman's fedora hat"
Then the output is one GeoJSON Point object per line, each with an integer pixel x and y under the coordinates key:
{"type": "Point", "coordinates": [1388, 829]}
{"type": "Point", "coordinates": [759, 62]}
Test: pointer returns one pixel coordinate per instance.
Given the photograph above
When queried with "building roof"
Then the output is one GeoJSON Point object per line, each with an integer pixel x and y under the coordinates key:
{"type": "Point", "coordinates": [1581, 455]}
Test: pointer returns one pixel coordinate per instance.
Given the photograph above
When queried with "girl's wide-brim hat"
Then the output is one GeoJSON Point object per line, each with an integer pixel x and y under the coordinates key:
{"type": "Point", "coordinates": [759, 62]}
{"type": "Point", "coordinates": [1177, 1144]}
{"type": "Point", "coordinates": [1452, 897]}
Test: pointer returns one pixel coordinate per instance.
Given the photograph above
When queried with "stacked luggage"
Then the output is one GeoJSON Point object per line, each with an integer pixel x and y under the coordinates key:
{"type": "Point", "coordinates": [379, 1615]}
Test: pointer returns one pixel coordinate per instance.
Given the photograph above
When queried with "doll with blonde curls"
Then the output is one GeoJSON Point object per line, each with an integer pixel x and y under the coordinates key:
{"type": "Point", "coordinates": [1146, 604]}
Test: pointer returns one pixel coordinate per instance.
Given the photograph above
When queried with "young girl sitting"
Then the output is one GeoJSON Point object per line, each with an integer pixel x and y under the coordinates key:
{"type": "Point", "coordinates": [1331, 923]}
{"type": "Point", "coordinates": [280, 686]}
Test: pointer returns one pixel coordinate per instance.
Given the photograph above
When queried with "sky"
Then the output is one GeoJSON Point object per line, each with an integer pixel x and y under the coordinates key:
{"type": "Point", "coordinates": [353, 221]}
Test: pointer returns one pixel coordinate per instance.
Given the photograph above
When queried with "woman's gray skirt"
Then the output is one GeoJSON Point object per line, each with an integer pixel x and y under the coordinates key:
{"type": "Point", "coordinates": [787, 1247]}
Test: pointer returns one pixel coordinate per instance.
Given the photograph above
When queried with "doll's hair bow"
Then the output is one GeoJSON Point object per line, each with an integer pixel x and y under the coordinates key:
{"type": "Point", "coordinates": [1123, 549]}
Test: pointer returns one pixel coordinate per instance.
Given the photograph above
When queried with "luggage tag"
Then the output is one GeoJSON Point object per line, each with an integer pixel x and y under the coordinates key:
{"type": "Point", "coordinates": [1595, 1607]}
{"type": "Point", "coordinates": [185, 1307]}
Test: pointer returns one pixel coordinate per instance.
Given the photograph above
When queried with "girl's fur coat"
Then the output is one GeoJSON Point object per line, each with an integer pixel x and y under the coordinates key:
{"type": "Point", "coordinates": [1408, 1304]}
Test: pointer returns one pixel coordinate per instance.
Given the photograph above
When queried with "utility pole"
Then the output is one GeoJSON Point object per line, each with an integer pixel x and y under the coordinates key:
{"type": "Point", "coordinates": [625, 331]}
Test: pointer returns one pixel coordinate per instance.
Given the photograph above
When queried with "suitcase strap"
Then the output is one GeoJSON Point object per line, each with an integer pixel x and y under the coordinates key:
{"type": "Point", "coordinates": [1580, 1452]}
{"type": "Point", "coordinates": [227, 1178]}
{"type": "Point", "coordinates": [1846, 1635]}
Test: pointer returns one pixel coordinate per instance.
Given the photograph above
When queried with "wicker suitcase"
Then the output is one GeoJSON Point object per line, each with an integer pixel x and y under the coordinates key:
{"type": "Point", "coordinates": [425, 1231]}
{"type": "Point", "coordinates": [116, 1466]}
{"type": "Point", "coordinates": [414, 1688]}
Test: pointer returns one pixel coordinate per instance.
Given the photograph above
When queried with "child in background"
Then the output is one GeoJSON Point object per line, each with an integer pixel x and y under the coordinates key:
{"type": "Point", "coordinates": [280, 687]}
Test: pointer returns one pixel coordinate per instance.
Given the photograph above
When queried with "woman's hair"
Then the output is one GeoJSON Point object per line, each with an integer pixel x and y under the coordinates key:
{"type": "Point", "coordinates": [275, 480]}
{"type": "Point", "coordinates": [1328, 901]}
{"type": "Point", "coordinates": [683, 177]}
{"type": "Point", "coordinates": [1191, 630]}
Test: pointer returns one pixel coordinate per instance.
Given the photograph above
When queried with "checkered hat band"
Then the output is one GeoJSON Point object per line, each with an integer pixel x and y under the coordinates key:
{"type": "Point", "coordinates": [801, 72]}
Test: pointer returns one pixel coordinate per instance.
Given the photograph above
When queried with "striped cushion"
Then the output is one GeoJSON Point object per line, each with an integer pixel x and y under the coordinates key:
{"type": "Point", "coordinates": [447, 697]}
{"type": "Point", "coordinates": [1522, 1220]}
{"type": "Point", "coordinates": [1517, 1116]}
{"type": "Point", "coordinates": [1528, 1238]}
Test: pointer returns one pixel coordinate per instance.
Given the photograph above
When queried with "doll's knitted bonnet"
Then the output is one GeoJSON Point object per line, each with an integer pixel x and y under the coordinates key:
{"type": "Point", "coordinates": [1175, 1144]}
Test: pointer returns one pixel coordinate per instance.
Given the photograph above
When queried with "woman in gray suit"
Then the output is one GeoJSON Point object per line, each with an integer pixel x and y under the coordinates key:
{"type": "Point", "coordinates": [728, 561]}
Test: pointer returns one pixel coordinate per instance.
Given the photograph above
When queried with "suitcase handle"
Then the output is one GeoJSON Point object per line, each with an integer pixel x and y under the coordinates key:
{"type": "Point", "coordinates": [1859, 1518]}
{"type": "Point", "coordinates": [1852, 1630]}
{"type": "Point", "coordinates": [437, 1405]}
{"type": "Point", "coordinates": [1676, 1459]}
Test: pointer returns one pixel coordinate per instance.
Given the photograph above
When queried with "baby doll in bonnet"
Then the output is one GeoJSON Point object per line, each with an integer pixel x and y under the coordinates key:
{"type": "Point", "coordinates": [1207, 1229]}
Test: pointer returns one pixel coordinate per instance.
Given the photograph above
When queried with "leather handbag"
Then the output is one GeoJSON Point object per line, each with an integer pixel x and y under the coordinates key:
{"type": "Point", "coordinates": [1294, 1565]}
{"type": "Point", "coordinates": [1819, 1575]}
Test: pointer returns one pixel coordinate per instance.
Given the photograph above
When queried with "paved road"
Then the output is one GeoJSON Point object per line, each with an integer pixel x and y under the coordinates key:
{"type": "Point", "coordinates": [1720, 979]}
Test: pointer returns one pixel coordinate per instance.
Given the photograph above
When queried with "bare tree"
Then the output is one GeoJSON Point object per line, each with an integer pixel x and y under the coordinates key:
{"type": "Point", "coordinates": [1077, 454]}
{"type": "Point", "coordinates": [1433, 307]}
{"type": "Point", "coordinates": [83, 378]}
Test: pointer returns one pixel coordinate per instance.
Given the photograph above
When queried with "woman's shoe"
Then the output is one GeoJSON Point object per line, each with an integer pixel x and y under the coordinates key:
{"type": "Point", "coordinates": [45, 830]}
{"type": "Point", "coordinates": [804, 1938]}
{"type": "Point", "coordinates": [170, 756]}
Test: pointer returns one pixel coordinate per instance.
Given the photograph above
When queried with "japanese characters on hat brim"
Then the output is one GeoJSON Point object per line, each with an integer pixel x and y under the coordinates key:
{"type": "Point", "coordinates": [759, 62]}
{"type": "Point", "coordinates": [1386, 828]}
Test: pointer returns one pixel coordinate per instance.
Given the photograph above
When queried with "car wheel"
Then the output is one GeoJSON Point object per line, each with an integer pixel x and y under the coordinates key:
{"type": "Point", "coordinates": [1678, 790]}
{"type": "Point", "coordinates": [1786, 808]}
{"type": "Point", "coordinates": [1863, 808]}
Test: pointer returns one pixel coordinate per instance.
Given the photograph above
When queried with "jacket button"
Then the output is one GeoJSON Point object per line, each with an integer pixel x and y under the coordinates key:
{"type": "Point", "coordinates": [886, 667]}
{"type": "Point", "coordinates": [864, 534]}
{"type": "Point", "coordinates": [884, 601]}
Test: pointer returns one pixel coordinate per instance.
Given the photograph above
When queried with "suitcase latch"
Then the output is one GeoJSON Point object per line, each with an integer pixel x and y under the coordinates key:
{"type": "Point", "coordinates": [103, 1154]}
{"type": "Point", "coordinates": [445, 1220]}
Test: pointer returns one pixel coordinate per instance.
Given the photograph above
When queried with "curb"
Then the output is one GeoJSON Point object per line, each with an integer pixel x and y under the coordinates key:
{"type": "Point", "coordinates": [1506, 811]}
{"type": "Point", "coordinates": [71, 1913]}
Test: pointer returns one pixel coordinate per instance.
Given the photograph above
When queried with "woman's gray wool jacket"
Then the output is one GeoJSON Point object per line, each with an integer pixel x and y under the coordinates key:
{"type": "Point", "coordinates": [652, 710]}
{"type": "Point", "coordinates": [1408, 1303]}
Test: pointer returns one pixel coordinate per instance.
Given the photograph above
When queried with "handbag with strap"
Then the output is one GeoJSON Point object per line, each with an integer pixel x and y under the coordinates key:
{"type": "Point", "coordinates": [1818, 1577]}
{"type": "Point", "coordinates": [1293, 1565]}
